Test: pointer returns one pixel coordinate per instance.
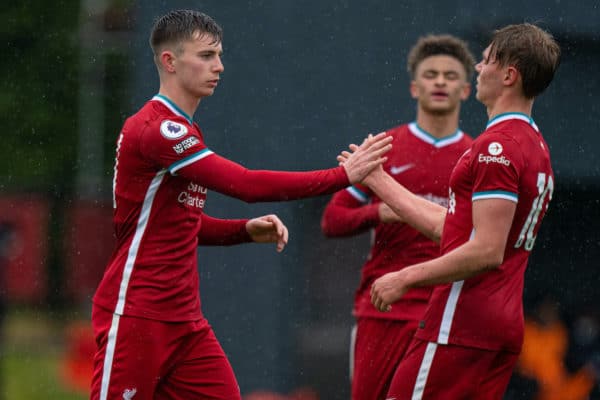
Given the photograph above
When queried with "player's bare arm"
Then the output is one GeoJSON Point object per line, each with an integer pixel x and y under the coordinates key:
{"type": "Point", "coordinates": [492, 219]}
{"type": "Point", "coordinates": [423, 215]}
{"type": "Point", "coordinates": [268, 229]}
{"type": "Point", "coordinates": [387, 215]}
{"type": "Point", "coordinates": [367, 156]}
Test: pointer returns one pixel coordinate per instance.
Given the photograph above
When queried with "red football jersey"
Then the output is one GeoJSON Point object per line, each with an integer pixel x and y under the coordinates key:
{"type": "Point", "coordinates": [163, 170]}
{"type": "Point", "coordinates": [510, 160]}
{"type": "Point", "coordinates": [422, 163]}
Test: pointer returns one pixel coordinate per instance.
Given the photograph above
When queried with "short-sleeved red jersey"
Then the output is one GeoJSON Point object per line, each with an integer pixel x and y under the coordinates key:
{"type": "Point", "coordinates": [163, 171]}
{"type": "Point", "coordinates": [422, 163]}
{"type": "Point", "coordinates": [509, 160]}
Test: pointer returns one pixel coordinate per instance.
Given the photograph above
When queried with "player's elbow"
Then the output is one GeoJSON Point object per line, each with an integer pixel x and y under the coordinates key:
{"type": "Point", "coordinates": [492, 258]}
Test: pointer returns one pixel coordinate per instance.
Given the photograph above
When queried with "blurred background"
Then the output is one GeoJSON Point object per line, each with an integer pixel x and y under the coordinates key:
{"type": "Point", "coordinates": [302, 80]}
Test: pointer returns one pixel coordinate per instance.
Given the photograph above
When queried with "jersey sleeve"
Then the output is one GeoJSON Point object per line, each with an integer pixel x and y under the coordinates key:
{"type": "Point", "coordinates": [222, 232]}
{"type": "Point", "coordinates": [496, 165]}
{"type": "Point", "coordinates": [232, 179]}
{"type": "Point", "coordinates": [178, 147]}
{"type": "Point", "coordinates": [172, 142]}
{"type": "Point", "coordinates": [349, 212]}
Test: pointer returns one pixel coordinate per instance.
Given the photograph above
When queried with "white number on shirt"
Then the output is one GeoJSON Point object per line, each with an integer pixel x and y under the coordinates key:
{"type": "Point", "coordinates": [116, 169]}
{"type": "Point", "coordinates": [545, 189]}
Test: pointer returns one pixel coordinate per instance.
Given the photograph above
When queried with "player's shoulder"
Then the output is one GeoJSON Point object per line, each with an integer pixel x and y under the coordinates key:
{"type": "Point", "coordinates": [170, 125]}
{"type": "Point", "coordinates": [495, 141]}
{"type": "Point", "coordinates": [512, 125]}
{"type": "Point", "coordinates": [153, 116]}
{"type": "Point", "coordinates": [400, 133]}
{"type": "Point", "coordinates": [499, 144]}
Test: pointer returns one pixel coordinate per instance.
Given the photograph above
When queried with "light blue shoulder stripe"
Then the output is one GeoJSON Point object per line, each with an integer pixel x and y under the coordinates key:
{"type": "Point", "coordinates": [184, 162]}
{"type": "Point", "coordinates": [495, 194]}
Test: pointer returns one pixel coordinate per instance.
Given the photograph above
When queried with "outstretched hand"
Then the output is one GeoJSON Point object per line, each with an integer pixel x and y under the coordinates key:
{"type": "Point", "coordinates": [268, 229]}
{"type": "Point", "coordinates": [366, 157]}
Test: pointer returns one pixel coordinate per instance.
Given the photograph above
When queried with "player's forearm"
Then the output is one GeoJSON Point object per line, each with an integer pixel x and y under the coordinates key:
{"type": "Point", "coordinates": [423, 215]}
{"type": "Point", "coordinates": [343, 219]}
{"type": "Point", "coordinates": [232, 179]}
{"type": "Point", "coordinates": [464, 262]}
{"type": "Point", "coordinates": [222, 232]}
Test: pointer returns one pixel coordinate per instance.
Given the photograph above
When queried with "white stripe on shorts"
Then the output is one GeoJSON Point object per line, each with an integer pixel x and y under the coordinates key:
{"type": "Point", "coordinates": [109, 356]}
{"type": "Point", "coordinates": [424, 371]}
{"type": "Point", "coordinates": [352, 350]}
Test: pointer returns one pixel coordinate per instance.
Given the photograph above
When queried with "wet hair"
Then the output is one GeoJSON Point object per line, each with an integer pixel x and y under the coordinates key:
{"type": "Point", "coordinates": [531, 50]}
{"type": "Point", "coordinates": [176, 27]}
{"type": "Point", "coordinates": [441, 45]}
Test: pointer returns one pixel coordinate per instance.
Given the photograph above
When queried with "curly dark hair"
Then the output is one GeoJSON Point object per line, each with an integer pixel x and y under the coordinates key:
{"type": "Point", "coordinates": [433, 45]}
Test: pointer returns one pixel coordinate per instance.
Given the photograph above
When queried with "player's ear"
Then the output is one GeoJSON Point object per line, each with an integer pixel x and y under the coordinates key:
{"type": "Point", "coordinates": [167, 60]}
{"type": "Point", "coordinates": [414, 90]}
{"type": "Point", "coordinates": [511, 75]}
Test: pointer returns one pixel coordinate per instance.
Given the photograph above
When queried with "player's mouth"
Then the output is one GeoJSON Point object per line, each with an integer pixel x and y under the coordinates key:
{"type": "Point", "coordinates": [213, 83]}
{"type": "Point", "coordinates": [439, 95]}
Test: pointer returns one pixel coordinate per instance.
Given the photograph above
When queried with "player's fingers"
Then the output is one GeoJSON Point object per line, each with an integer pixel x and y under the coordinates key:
{"type": "Point", "coordinates": [285, 235]}
{"type": "Point", "coordinates": [344, 156]}
{"type": "Point", "coordinates": [385, 142]}
{"type": "Point", "coordinates": [380, 152]}
{"type": "Point", "coordinates": [371, 165]}
{"type": "Point", "coordinates": [379, 136]}
{"type": "Point", "coordinates": [281, 232]}
{"type": "Point", "coordinates": [374, 296]}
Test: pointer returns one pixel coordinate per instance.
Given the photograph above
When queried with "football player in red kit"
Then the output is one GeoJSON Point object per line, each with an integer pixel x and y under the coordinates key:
{"type": "Point", "coordinates": [471, 334]}
{"type": "Point", "coordinates": [423, 154]}
{"type": "Point", "coordinates": [153, 341]}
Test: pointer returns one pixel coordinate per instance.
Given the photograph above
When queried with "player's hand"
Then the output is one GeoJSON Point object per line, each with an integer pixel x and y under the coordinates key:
{"type": "Point", "coordinates": [387, 215]}
{"type": "Point", "coordinates": [362, 159]}
{"type": "Point", "coordinates": [387, 290]}
{"type": "Point", "coordinates": [375, 174]}
{"type": "Point", "coordinates": [268, 229]}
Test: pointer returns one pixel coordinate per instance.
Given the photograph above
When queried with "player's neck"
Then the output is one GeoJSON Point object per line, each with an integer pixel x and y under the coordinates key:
{"type": "Point", "coordinates": [187, 103]}
{"type": "Point", "coordinates": [510, 104]}
{"type": "Point", "coordinates": [438, 125]}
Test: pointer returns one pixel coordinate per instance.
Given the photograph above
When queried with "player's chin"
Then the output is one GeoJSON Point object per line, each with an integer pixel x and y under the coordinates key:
{"type": "Point", "coordinates": [441, 108]}
{"type": "Point", "coordinates": [205, 92]}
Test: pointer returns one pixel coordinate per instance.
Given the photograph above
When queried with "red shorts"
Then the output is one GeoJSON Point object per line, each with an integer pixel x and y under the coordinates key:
{"type": "Point", "coordinates": [378, 347]}
{"type": "Point", "coordinates": [143, 359]}
{"type": "Point", "coordinates": [434, 371]}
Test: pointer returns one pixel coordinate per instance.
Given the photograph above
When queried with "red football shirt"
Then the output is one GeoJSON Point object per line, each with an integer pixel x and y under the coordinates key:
{"type": "Point", "coordinates": [510, 161]}
{"type": "Point", "coordinates": [422, 163]}
{"type": "Point", "coordinates": [163, 171]}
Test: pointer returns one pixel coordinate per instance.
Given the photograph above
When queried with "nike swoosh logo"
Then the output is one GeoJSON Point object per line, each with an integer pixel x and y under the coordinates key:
{"type": "Point", "coordinates": [398, 170]}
